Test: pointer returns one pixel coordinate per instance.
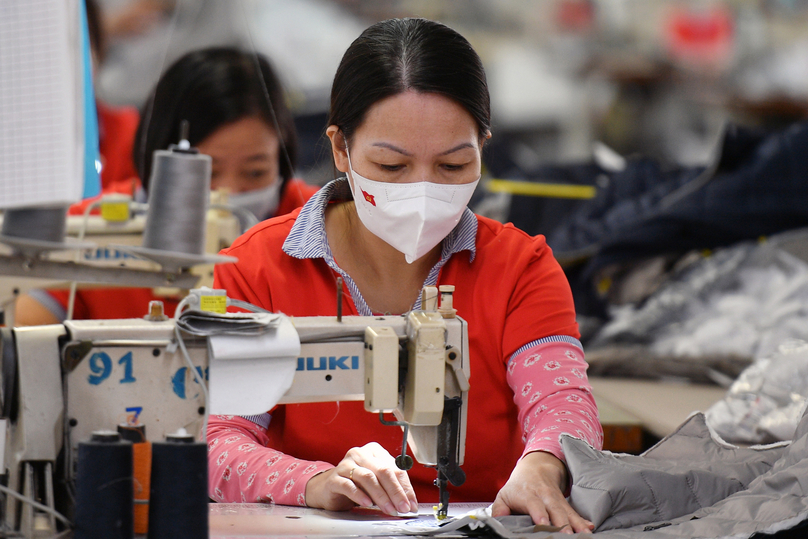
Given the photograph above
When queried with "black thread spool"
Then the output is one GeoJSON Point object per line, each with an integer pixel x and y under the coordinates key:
{"type": "Point", "coordinates": [132, 433]}
{"type": "Point", "coordinates": [178, 505]}
{"type": "Point", "coordinates": [104, 495]}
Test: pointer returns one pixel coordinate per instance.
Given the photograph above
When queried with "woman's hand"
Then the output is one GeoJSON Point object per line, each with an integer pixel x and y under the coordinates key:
{"type": "Point", "coordinates": [367, 475]}
{"type": "Point", "coordinates": [536, 488]}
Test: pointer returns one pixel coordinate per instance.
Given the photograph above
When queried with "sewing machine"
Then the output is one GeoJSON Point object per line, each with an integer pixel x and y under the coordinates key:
{"type": "Point", "coordinates": [111, 231]}
{"type": "Point", "coordinates": [60, 383]}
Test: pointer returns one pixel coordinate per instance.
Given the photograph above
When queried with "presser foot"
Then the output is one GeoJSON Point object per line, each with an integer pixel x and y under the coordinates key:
{"type": "Point", "coordinates": [442, 509]}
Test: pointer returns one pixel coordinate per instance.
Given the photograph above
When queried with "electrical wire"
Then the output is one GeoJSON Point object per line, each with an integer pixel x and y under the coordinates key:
{"type": "Point", "coordinates": [199, 379]}
{"type": "Point", "coordinates": [136, 207]}
{"type": "Point", "coordinates": [35, 504]}
{"type": "Point", "coordinates": [250, 219]}
{"type": "Point", "coordinates": [133, 206]}
{"type": "Point", "coordinates": [71, 300]}
{"type": "Point", "coordinates": [185, 302]}
{"type": "Point", "coordinates": [181, 342]}
{"type": "Point", "coordinates": [247, 306]}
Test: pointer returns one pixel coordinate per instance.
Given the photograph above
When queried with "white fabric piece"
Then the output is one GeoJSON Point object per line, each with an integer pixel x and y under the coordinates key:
{"type": "Point", "coordinates": [204, 323]}
{"type": "Point", "coordinates": [249, 374]}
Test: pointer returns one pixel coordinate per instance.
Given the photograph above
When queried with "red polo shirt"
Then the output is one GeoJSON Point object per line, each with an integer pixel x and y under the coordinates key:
{"type": "Point", "coordinates": [512, 293]}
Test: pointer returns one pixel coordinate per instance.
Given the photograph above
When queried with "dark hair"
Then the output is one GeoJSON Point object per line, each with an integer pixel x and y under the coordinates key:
{"type": "Point", "coordinates": [397, 55]}
{"type": "Point", "coordinates": [211, 88]}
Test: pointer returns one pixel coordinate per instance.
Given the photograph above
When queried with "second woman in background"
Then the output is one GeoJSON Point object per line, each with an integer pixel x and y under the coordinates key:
{"type": "Point", "coordinates": [225, 95]}
{"type": "Point", "coordinates": [237, 114]}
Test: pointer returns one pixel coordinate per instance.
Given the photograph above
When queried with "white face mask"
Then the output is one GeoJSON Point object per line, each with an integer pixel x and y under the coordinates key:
{"type": "Point", "coordinates": [262, 202]}
{"type": "Point", "coordinates": [411, 217]}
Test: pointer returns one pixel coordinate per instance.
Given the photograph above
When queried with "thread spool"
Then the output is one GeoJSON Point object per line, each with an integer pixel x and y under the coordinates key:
{"type": "Point", "coordinates": [141, 476]}
{"type": "Point", "coordinates": [42, 224]}
{"type": "Point", "coordinates": [179, 191]}
{"type": "Point", "coordinates": [104, 488]}
{"type": "Point", "coordinates": [178, 507]}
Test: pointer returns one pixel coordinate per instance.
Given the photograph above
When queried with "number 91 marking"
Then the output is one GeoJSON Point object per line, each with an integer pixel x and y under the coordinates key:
{"type": "Point", "coordinates": [101, 368]}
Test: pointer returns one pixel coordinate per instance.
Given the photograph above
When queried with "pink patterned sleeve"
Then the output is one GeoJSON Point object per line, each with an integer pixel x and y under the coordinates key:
{"type": "Point", "coordinates": [553, 395]}
{"type": "Point", "coordinates": [242, 469]}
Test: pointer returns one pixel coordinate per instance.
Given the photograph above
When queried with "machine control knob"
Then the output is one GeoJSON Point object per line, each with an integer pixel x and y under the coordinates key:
{"type": "Point", "coordinates": [404, 462]}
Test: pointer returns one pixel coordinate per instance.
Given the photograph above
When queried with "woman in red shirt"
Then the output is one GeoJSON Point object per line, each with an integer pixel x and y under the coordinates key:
{"type": "Point", "coordinates": [237, 114]}
{"type": "Point", "coordinates": [409, 116]}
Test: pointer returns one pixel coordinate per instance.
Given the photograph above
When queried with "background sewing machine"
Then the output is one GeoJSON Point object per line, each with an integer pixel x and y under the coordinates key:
{"type": "Point", "coordinates": [62, 382]}
{"type": "Point", "coordinates": [116, 225]}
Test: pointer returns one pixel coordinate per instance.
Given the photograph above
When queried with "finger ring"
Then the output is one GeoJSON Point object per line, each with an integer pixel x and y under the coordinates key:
{"type": "Point", "coordinates": [350, 475]}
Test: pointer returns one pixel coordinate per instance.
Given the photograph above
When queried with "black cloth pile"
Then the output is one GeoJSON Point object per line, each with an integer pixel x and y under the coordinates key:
{"type": "Point", "coordinates": [756, 186]}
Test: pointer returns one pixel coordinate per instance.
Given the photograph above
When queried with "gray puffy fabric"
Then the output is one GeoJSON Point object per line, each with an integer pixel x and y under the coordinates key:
{"type": "Point", "coordinates": [689, 485]}
{"type": "Point", "coordinates": [775, 500]}
{"type": "Point", "coordinates": [687, 471]}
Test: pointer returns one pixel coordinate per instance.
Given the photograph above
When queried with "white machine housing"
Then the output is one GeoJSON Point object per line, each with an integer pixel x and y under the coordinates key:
{"type": "Point", "coordinates": [105, 231]}
{"type": "Point", "coordinates": [83, 376]}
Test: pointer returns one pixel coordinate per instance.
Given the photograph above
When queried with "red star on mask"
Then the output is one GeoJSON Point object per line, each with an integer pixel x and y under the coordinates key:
{"type": "Point", "coordinates": [370, 198]}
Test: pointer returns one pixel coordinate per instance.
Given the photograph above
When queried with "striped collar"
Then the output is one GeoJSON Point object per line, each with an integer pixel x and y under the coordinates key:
{"type": "Point", "coordinates": [307, 239]}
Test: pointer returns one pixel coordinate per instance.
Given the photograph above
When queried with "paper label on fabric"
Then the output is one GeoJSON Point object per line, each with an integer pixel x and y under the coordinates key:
{"type": "Point", "coordinates": [213, 304]}
{"type": "Point", "coordinates": [115, 212]}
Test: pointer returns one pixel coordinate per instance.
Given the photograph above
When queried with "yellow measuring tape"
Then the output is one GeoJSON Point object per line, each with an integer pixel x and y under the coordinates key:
{"type": "Point", "coordinates": [536, 189]}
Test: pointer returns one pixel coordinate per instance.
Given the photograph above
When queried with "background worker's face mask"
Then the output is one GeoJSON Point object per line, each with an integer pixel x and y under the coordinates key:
{"type": "Point", "coordinates": [411, 217]}
{"type": "Point", "coordinates": [262, 202]}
